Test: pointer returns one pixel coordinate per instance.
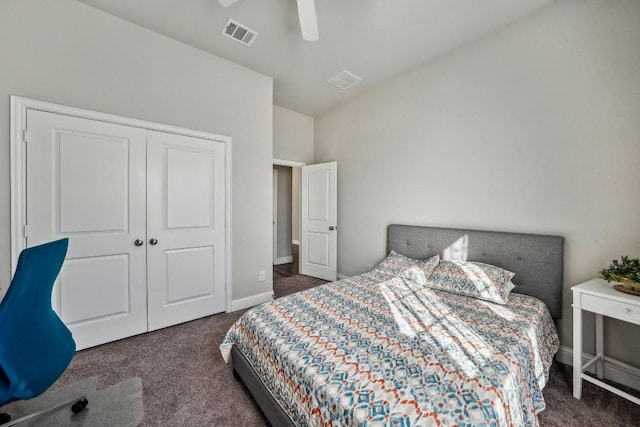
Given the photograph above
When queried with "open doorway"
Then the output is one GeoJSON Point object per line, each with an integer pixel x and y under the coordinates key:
{"type": "Point", "coordinates": [305, 219]}
{"type": "Point", "coordinates": [286, 220]}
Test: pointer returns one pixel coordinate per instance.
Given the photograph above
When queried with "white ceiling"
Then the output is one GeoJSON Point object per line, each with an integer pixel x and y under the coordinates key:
{"type": "Point", "coordinates": [374, 39]}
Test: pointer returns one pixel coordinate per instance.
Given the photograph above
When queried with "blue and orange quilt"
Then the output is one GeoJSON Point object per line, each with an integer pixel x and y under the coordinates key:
{"type": "Point", "coordinates": [372, 350]}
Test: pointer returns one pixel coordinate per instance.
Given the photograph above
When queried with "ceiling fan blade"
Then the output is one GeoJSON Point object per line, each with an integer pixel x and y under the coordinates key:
{"type": "Point", "coordinates": [308, 19]}
{"type": "Point", "coordinates": [226, 3]}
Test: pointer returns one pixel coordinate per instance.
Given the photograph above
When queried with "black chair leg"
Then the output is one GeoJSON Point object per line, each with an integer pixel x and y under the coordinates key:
{"type": "Point", "coordinates": [79, 405]}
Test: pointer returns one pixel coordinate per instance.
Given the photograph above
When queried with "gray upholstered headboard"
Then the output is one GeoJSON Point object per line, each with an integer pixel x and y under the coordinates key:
{"type": "Point", "coordinates": [536, 260]}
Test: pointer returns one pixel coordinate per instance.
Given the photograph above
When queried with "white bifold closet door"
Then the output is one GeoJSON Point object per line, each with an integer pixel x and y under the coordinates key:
{"type": "Point", "coordinates": [144, 214]}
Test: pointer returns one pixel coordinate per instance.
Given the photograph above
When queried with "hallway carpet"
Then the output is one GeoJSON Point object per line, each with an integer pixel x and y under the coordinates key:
{"type": "Point", "coordinates": [186, 383]}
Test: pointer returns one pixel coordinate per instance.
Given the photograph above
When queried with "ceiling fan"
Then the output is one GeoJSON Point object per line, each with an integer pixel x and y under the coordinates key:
{"type": "Point", "coordinates": [307, 14]}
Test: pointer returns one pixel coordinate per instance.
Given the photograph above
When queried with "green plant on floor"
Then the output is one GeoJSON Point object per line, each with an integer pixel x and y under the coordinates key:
{"type": "Point", "coordinates": [626, 268]}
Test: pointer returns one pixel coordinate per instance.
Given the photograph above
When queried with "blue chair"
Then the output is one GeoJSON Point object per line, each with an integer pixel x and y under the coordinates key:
{"type": "Point", "coordinates": [35, 346]}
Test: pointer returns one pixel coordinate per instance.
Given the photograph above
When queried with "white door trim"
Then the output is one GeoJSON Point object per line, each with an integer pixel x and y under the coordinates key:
{"type": "Point", "coordinates": [19, 107]}
{"type": "Point", "coordinates": [274, 220]}
{"type": "Point", "coordinates": [291, 163]}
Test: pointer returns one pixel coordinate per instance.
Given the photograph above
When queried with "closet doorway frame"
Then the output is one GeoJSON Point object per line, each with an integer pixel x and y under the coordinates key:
{"type": "Point", "coordinates": [17, 151]}
{"type": "Point", "coordinates": [291, 164]}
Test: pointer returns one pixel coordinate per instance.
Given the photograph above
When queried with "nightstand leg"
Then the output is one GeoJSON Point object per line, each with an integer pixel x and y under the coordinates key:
{"type": "Point", "coordinates": [599, 347]}
{"type": "Point", "coordinates": [577, 349]}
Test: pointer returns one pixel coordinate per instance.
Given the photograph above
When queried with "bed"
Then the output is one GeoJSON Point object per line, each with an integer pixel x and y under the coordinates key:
{"type": "Point", "coordinates": [376, 349]}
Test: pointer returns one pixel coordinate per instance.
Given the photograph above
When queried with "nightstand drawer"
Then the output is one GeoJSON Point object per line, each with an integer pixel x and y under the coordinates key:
{"type": "Point", "coordinates": [611, 308]}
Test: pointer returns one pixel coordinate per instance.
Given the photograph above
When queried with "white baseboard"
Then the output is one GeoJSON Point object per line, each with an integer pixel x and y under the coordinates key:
{"type": "Point", "coordinates": [614, 370]}
{"type": "Point", "coordinates": [283, 260]}
{"type": "Point", "coordinates": [239, 304]}
{"type": "Point", "coordinates": [295, 242]}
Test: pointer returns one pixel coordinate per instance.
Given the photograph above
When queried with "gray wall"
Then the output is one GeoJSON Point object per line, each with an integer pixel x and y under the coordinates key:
{"type": "Point", "coordinates": [534, 128]}
{"type": "Point", "coordinates": [284, 211]}
{"type": "Point", "coordinates": [292, 136]}
{"type": "Point", "coordinates": [293, 140]}
{"type": "Point", "coordinates": [69, 53]}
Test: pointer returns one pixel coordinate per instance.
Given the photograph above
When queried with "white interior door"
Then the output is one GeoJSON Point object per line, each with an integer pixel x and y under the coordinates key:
{"type": "Point", "coordinates": [319, 213]}
{"type": "Point", "coordinates": [185, 228]}
{"type": "Point", "coordinates": [86, 181]}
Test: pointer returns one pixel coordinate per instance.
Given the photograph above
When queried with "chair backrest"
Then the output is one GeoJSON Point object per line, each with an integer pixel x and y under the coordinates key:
{"type": "Point", "coordinates": [35, 345]}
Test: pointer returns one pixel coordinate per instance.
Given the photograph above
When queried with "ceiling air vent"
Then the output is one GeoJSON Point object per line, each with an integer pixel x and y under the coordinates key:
{"type": "Point", "coordinates": [239, 32]}
{"type": "Point", "coordinates": [344, 80]}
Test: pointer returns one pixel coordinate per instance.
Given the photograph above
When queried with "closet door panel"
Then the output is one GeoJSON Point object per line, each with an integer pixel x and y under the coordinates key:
{"type": "Point", "coordinates": [189, 273]}
{"type": "Point", "coordinates": [86, 180]}
{"type": "Point", "coordinates": [189, 188]}
{"type": "Point", "coordinates": [185, 227]}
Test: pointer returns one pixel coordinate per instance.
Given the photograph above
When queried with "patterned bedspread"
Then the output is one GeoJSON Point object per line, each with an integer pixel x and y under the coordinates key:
{"type": "Point", "coordinates": [373, 350]}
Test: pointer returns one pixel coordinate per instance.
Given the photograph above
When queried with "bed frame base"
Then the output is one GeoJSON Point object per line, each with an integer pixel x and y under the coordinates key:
{"type": "Point", "coordinates": [243, 371]}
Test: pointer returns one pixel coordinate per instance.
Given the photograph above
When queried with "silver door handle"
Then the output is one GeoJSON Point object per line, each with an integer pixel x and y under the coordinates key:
{"type": "Point", "coordinates": [138, 242]}
{"type": "Point", "coordinates": [333, 227]}
{"type": "Point", "coordinates": [153, 241]}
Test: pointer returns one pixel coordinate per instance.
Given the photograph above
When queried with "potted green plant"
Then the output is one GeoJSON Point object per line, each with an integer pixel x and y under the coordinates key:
{"type": "Point", "coordinates": [626, 271]}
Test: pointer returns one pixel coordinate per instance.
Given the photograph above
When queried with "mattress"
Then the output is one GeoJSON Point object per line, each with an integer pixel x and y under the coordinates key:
{"type": "Point", "coordinates": [375, 350]}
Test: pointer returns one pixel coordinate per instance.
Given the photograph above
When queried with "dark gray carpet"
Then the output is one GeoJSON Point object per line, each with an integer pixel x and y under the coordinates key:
{"type": "Point", "coordinates": [186, 383]}
{"type": "Point", "coordinates": [184, 379]}
{"type": "Point", "coordinates": [290, 285]}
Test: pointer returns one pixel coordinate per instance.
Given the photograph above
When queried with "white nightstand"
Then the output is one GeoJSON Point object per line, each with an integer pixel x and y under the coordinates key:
{"type": "Point", "coordinates": [599, 297]}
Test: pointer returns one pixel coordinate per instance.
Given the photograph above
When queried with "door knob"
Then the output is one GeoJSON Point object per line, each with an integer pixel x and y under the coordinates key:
{"type": "Point", "coordinates": [153, 241]}
{"type": "Point", "coordinates": [138, 242]}
{"type": "Point", "coordinates": [332, 228]}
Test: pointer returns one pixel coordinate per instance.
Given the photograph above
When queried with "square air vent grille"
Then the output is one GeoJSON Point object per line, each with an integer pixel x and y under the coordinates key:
{"type": "Point", "coordinates": [344, 80]}
{"type": "Point", "coordinates": [238, 32]}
